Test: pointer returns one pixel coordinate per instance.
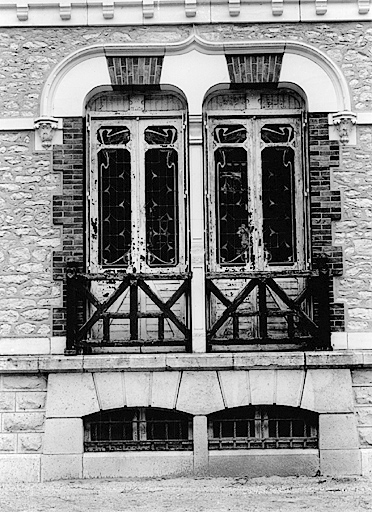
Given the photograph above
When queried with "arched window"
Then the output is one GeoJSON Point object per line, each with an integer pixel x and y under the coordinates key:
{"type": "Point", "coordinates": [138, 429]}
{"type": "Point", "coordinates": [262, 426]}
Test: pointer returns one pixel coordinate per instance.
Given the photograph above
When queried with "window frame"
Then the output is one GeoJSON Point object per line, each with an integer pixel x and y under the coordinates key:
{"type": "Point", "coordinates": [140, 120]}
{"type": "Point", "coordinates": [254, 118]}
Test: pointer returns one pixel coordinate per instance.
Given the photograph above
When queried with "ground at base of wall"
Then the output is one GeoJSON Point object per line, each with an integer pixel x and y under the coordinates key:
{"type": "Point", "coordinates": [277, 494]}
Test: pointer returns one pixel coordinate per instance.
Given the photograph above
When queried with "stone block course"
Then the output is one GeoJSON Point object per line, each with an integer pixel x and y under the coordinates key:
{"type": "Point", "coordinates": [23, 422]}
{"type": "Point", "coordinates": [30, 443]}
{"type": "Point", "coordinates": [8, 442]}
{"type": "Point", "coordinates": [61, 467]}
{"type": "Point", "coordinates": [338, 432]}
{"type": "Point", "coordinates": [328, 391]}
{"type": "Point", "coordinates": [24, 382]}
{"type": "Point", "coordinates": [20, 468]}
{"type": "Point", "coordinates": [340, 462]}
{"type": "Point", "coordinates": [199, 393]}
{"type": "Point", "coordinates": [30, 401]}
{"type": "Point", "coordinates": [63, 436]}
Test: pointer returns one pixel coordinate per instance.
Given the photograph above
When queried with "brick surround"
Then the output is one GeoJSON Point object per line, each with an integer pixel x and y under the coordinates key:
{"type": "Point", "coordinates": [69, 207]}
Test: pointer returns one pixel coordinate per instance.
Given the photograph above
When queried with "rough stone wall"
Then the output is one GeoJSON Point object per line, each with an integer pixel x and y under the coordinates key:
{"type": "Point", "coordinates": [27, 238]}
{"type": "Point", "coordinates": [22, 411]}
{"type": "Point", "coordinates": [362, 387]}
{"type": "Point", "coordinates": [354, 232]}
{"type": "Point", "coordinates": [28, 57]}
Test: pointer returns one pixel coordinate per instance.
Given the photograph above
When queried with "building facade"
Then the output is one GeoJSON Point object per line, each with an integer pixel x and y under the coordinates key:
{"type": "Point", "coordinates": [186, 238]}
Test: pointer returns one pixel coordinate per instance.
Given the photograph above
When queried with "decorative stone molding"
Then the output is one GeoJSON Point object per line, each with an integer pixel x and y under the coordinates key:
{"type": "Point", "coordinates": [190, 8]}
{"type": "Point", "coordinates": [65, 10]}
{"type": "Point", "coordinates": [345, 123]}
{"type": "Point", "coordinates": [363, 6]}
{"type": "Point", "coordinates": [321, 6]}
{"type": "Point", "coordinates": [108, 9]}
{"type": "Point", "coordinates": [45, 128]}
{"type": "Point", "coordinates": [277, 7]}
{"type": "Point", "coordinates": [234, 7]}
{"type": "Point", "coordinates": [148, 8]}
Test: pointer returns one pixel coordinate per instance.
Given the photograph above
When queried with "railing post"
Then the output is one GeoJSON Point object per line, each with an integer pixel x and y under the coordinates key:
{"type": "Point", "coordinates": [323, 296]}
{"type": "Point", "coordinates": [71, 308]}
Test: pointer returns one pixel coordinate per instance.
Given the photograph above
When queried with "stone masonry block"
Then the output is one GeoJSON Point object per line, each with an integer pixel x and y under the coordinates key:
{"type": "Point", "coordinates": [30, 400]}
{"type": "Point", "coordinates": [235, 388]}
{"type": "Point", "coordinates": [262, 384]}
{"type": "Point", "coordinates": [363, 395]}
{"type": "Point", "coordinates": [19, 382]}
{"type": "Point", "coordinates": [20, 468]}
{"type": "Point", "coordinates": [7, 401]}
{"type": "Point", "coordinates": [328, 390]}
{"type": "Point", "coordinates": [366, 458]}
{"type": "Point", "coordinates": [200, 430]}
{"type": "Point", "coordinates": [289, 387]}
{"type": "Point", "coordinates": [61, 467]}
{"type": "Point", "coordinates": [71, 395]}
{"type": "Point", "coordinates": [164, 389]}
{"type": "Point", "coordinates": [340, 462]}
{"type": "Point", "coordinates": [23, 422]}
{"type": "Point", "coordinates": [30, 443]}
{"type": "Point", "coordinates": [63, 436]}
{"type": "Point", "coordinates": [110, 390]}
{"type": "Point", "coordinates": [361, 377]}
{"type": "Point", "coordinates": [199, 393]}
{"type": "Point", "coordinates": [137, 386]}
{"type": "Point", "coordinates": [364, 416]}
{"type": "Point", "coordinates": [365, 436]}
{"type": "Point", "coordinates": [338, 432]}
{"type": "Point", "coordinates": [8, 442]}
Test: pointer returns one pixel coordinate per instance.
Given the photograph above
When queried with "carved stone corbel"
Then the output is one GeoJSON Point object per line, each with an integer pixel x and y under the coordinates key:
{"type": "Point", "coordinates": [190, 8]}
{"type": "Point", "coordinates": [277, 7]}
{"type": "Point", "coordinates": [344, 123]}
{"type": "Point", "coordinates": [22, 11]}
{"type": "Point", "coordinates": [65, 10]}
{"type": "Point", "coordinates": [148, 8]}
{"type": "Point", "coordinates": [321, 6]}
{"type": "Point", "coordinates": [363, 6]}
{"type": "Point", "coordinates": [46, 127]}
{"type": "Point", "coordinates": [108, 9]}
{"type": "Point", "coordinates": [234, 7]}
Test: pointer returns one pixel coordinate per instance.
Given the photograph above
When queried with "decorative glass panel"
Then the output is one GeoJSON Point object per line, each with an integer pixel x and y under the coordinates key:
{"type": "Point", "coordinates": [115, 206]}
{"type": "Point", "coordinates": [275, 133]}
{"type": "Point", "coordinates": [113, 135]}
{"type": "Point", "coordinates": [230, 134]}
{"type": "Point", "coordinates": [234, 230]}
{"type": "Point", "coordinates": [161, 169]}
{"type": "Point", "coordinates": [161, 135]}
{"type": "Point", "coordinates": [278, 193]}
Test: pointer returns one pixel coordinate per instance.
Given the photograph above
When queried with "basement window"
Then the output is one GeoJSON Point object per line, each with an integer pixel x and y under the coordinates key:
{"type": "Point", "coordinates": [138, 429]}
{"type": "Point", "coordinates": [258, 427]}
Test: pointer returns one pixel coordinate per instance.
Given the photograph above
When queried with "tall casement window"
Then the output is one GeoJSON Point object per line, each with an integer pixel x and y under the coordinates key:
{"type": "Point", "coordinates": [256, 181]}
{"type": "Point", "coordinates": [136, 213]}
{"type": "Point", "coordinates": [137, 183]}
{"type": "Point", "coordinates": [256, 214]}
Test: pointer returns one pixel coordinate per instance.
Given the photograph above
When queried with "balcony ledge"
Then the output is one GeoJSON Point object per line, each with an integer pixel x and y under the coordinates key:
{"type": "Point", "coordinates": [181, 362]}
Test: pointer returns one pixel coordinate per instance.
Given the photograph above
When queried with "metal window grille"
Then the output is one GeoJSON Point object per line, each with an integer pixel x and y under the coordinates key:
{"type": "Point", "coordinates": [258, 427]}
{"type": "Point", "coordinates": [138, 429]}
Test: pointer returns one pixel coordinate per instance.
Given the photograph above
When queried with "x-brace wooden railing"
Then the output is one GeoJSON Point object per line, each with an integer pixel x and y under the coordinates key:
{"type": "Point", "coordinates": [316, 334]}
{"type": "Point", "coordinates": [80, 297]}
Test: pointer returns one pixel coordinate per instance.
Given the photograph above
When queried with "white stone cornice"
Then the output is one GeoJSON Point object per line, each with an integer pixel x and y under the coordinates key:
{"type": "Point", "coordinates": [142, 12]}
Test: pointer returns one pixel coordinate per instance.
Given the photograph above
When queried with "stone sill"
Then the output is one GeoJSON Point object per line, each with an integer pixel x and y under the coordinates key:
{"type": "Point", "coordinates": [191, 362]}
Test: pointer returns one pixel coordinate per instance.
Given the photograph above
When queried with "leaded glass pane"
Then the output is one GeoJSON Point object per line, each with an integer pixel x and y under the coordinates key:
{"type": "Point", "coordinates": [115, 206]}
{"type": "Point", "coordinates": [230, 134]}
{"type": "Point", "coordinates": [161, 135]}
{"type": "Point", "coordinates": [234, 230]}
{"type": "Point", "coordinates": [113, 135]}
{"type": "Point", "coordinates": [161, 169]}
{"type": "Point", "coordinates": [278, 203]}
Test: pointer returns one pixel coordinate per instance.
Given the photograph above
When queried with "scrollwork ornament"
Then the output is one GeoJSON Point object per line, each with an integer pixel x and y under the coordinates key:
{"type": "Point", "coordinates": [344, 122]}
{"type": "Point", "coordinates": [46, 128]}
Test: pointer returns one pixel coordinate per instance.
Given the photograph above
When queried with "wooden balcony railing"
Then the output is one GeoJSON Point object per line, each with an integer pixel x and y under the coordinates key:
{"type": "Point", "coordinates": [305, 318]}
{"type": "Point", "coordinates": [87, 313]}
